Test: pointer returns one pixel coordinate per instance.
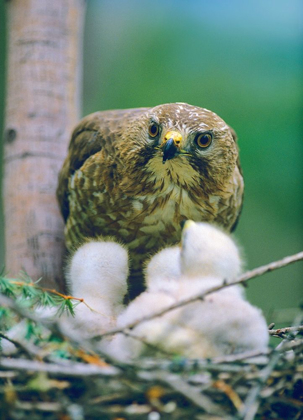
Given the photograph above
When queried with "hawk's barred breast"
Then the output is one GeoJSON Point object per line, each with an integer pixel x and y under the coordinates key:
{"type": "Point", "coordinates": [135, 174]}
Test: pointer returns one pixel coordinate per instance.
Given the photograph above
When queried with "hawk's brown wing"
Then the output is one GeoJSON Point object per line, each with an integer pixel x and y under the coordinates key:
{"type": "Point", "coordinates": [97, 131]}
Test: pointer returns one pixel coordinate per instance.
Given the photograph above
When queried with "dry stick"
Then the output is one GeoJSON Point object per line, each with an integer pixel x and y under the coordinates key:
{"type": "Point", "coordinates": [51, 407]}
{"type": "Point", "coordinates": [232, 395]}
{"type": "Point", "coordinates": [68, 368]}
{"type": "Point", "coordinates": [256, 353]}
{"type": "Point", "coordinates": [190, 365]}
{"type": "Point", "coordinates": [252, 402]}
{"type": "Point", "coordinates": [242, 279]}
{"type": "Point", "coordinates": [30, 349]}
{"type": "Point", "coordinates": [281, 331]}
{"type": "Point", "coordinates": [182, 387]}
{"type": "Point", "coordinates": [128, 333]}
{"type": "Point", "coordinates": [239, 356]}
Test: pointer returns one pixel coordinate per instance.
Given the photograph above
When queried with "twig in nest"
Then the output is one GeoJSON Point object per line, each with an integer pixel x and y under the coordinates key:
{"type": "Point", "coordinates": [128, 333]}
{"type": "Point", "coordinates": [68, 368]}
{"type": "Point", "coordinates": [39, 406]}
{"type": "Point", "coordinates": [190, 392]}
{"type": "Point", "coordinates": [28, 348]}
{"type": "Point", "coordinates": [281, 332]}
{"type": "Point", "coordinates": [231, 394]}
{"type": "Point", "coordinates": [252, 401]}
{"type": "Point", "coordinates": [238, 357]}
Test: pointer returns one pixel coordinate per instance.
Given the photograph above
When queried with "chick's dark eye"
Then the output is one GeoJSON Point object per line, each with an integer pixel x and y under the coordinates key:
{"type": "Point", "coordinates": [153, 130]}
{"type": "Point", "coordinates": [203, 140]}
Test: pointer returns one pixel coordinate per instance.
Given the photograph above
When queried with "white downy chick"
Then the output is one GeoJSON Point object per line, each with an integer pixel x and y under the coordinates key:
{"type": "Point", "coordinates": [97, 272]}
{"type": "Point", "coordinates": [207, 250]}
{"type": "Point", "coordinates": [162, 274]}
{"type": "Point", "coordinates": [163, 269]}
{"type": "Point", "coordinates": [225, 320]}
{"type": "Point", "coordinates": [223, 323]}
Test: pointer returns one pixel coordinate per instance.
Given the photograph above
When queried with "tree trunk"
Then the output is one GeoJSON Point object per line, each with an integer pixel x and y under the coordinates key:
{"type": "Point", "coordinates": [42, 105]}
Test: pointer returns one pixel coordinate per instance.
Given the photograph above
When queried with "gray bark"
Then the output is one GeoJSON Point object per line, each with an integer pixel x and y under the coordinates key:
{"type": "Point", "coordinates": [43, 100]}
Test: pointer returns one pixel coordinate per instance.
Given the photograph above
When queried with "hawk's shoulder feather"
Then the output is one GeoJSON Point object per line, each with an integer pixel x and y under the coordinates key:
{"type": "Point", "coordinates": [97, 131]}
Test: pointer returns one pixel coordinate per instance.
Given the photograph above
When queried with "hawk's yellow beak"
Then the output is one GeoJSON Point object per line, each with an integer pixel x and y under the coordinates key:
{"type": "Point", "coordinates": [175, 135]}
{"type": "Point", "coordinates": [171, 144]}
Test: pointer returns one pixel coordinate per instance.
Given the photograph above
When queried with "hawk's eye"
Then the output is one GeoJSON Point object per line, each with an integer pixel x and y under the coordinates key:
{"type": "Point", "coordinates": [153, 130]}
{"type": "Point", "coordinates": [203, 140]}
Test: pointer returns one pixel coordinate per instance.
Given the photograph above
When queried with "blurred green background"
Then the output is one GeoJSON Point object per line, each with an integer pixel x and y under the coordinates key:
{"type": "Point", "coordinates": [242, 60]}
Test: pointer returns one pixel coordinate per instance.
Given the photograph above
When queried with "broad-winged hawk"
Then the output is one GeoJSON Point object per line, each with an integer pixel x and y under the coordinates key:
{"type": "Point", "coordinates": [136, 174]}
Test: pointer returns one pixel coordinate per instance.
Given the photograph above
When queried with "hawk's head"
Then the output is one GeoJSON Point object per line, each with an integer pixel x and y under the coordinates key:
{"type": "Point", "coordinates": [181, 143]}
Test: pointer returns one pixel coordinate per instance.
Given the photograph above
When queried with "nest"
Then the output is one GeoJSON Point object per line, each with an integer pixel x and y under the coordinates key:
{"type": "Point", "coordinates": [63, 378]}
{"type": "Point", "coordinates": [55, 375]}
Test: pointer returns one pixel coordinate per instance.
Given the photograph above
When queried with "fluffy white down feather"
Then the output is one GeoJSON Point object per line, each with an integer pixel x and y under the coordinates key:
{"type": "Point", "coordinates": [223, 323]}
{"type": "Point", "coordinates": [97, 272]}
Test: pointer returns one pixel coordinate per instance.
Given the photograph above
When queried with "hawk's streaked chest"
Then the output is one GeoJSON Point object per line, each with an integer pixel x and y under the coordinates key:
{"type": "Point", "coordinates": [148, 219]}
